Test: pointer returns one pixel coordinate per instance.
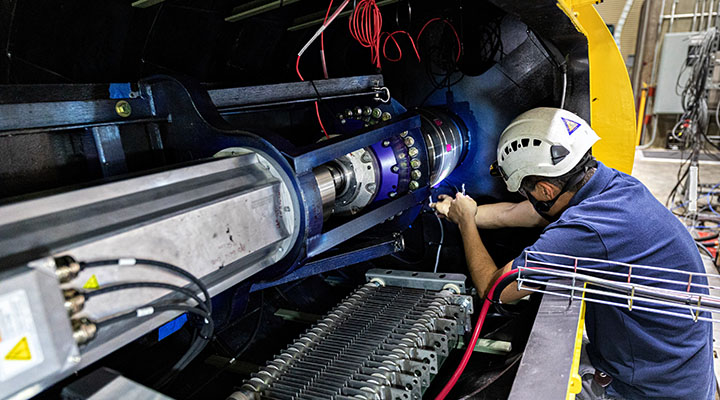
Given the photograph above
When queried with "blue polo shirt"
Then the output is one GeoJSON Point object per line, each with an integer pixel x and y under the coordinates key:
{"type": "Point", "coordinates": [650, 356]}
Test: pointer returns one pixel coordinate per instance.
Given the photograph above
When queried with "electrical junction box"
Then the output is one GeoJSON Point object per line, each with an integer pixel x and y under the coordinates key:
{"type": "Point", "coordinates": [36, 341]}
{"type": "Point", "coordinates": [673, 60]}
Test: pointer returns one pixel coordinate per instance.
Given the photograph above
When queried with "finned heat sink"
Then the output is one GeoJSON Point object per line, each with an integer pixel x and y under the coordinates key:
{"type": "Point", "coordinates": [381, 342]}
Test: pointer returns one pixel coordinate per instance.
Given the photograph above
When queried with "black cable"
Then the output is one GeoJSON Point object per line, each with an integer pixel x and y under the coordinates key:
{"type": "Point", "coordinates": [705, 250]}
{"type": "Point", "coordinates": [155, 309]}
{"type": "Point", "coordinates": [240, 352]}
{"type": "Point", "coordinates": [159, 285]}
{"type": "Point", "coordinates": [159, 264]}
{"type": "Point", "coordinates": [206, 330]}
{"type": "Point", "coordinates": [195, 349]}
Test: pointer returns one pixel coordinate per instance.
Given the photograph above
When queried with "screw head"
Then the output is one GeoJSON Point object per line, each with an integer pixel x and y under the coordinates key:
{"type": "Point", "coordinates": [386, 143]}
{"type": "Point", "coordinates": [123, 109]}
{"type": "Point", "coordinates": [395, 169]}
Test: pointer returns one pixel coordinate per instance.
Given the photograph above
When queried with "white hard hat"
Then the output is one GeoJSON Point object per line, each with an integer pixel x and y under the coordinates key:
{"type": "Point", "coordinates": [543, 142]}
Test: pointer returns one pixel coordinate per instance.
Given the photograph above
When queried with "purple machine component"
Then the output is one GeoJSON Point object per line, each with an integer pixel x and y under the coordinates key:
{"type": "Point", "coordinates": [388, 179]}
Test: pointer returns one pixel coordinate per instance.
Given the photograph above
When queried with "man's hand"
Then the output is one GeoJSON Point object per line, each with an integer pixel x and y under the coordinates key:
{"type": "Point", "coordinates": [462, 210]}
{"type": "Point", "coordinates": [443, 205]}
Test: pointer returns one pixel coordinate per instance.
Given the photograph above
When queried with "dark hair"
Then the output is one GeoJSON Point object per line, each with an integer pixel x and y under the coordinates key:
{"type": "Point", "coordinates": [529, 182]}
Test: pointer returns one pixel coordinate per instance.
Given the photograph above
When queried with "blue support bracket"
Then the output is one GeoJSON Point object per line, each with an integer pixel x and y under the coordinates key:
{"type": "Point", "coordinates": [327, 240]}
{"type": "Point", "coordinates": [376, 249]}
{"type": "Point", "coordinates": [328, 150]}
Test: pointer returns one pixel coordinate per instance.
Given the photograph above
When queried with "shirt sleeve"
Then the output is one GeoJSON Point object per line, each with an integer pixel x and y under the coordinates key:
{"type": "Point", "coordinates": [559, 243]}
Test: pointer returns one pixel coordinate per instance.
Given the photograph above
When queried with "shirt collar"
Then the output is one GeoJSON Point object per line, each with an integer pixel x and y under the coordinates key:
{"type": "Point", "coordinates": [597, 183]}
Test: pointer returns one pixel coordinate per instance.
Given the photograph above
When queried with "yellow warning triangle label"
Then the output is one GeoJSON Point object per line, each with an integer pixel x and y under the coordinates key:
{"type": "Point", "coordinates": [91, 283]}
{"type": "Point", "coordinates": [20, 352]}
{"type": "Point", "coordinates": [570, 125]}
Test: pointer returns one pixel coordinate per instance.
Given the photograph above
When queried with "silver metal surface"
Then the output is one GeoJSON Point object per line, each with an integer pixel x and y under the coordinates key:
{"type": "Point", "coordinates": [106, 384]}
{"type": "Point", "coordinates": [326, 184]}
{"type": "Point", "coordinates": [379, 343]}
{"type": "Point", "coordinates": [123, 388]}
{"type": "Point", "coordinates": [222, 220]}
{"type": "Point", "coordinates": [418, 280]}
{"type": "Point", "coordinates": [361, 172]}
{"type": "Point", "coordinates": [444, 141]}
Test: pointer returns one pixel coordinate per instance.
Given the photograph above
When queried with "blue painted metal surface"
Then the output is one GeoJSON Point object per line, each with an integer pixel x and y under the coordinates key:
{"type": "Point", "coordinates": [328, 150]}
{"type": "Point", "coordinates": [171, 327]}
{"type": "Point", "coordinates": [389, 180]}
{"type": "Point", "coordinates": [374, 250]}
{"type": "Point", "coordinates": [328, 240]}
{"type": "Point", "coordinates": [120, 90]}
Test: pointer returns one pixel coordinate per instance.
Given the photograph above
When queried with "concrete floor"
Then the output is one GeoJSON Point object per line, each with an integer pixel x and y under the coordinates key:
{"type": "Point", "coordinates": [660, 174]}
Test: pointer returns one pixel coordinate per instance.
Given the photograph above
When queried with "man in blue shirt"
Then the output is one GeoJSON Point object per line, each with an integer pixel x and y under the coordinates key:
{"type": "Point", "coordinates": [590, 210]}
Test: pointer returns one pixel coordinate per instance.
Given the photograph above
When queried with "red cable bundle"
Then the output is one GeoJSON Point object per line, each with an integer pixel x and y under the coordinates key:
{"type": "Point", "coordinates": [365, 26]}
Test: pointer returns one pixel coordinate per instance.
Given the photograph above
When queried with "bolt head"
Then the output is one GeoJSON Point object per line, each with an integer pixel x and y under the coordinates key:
{"type": "Point", "coordinates": [123, 108]}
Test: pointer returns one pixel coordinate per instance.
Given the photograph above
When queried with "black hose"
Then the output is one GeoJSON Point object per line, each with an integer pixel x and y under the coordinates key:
{"type": "Point", "coordinates": [239, 353]}
{"type": "Point", "coordinates": [159, 285]}
{"type": "Point", "coordinates": [159, 264]}
{"type": "Point", "coordinates": [155, 309]}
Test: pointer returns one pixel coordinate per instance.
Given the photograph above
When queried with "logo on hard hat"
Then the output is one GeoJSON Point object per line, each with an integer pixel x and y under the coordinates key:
{"type": "Point", "coordinates": [570, 125]}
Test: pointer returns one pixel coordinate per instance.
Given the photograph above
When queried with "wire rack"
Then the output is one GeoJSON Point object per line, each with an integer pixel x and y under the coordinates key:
{"type": "Point", "coordinates": [635, 287]}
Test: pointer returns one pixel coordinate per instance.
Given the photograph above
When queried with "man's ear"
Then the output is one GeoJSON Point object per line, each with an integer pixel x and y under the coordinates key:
{"type": "Point", "coordinates": [546, 191]}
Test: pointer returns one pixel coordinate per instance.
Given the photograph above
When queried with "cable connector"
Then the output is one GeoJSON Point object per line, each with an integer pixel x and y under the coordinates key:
{"type": "Point", "coordinates": [74, 301]}
{"type": "Point", "coordinates": [66, 268]}
{"type": "Point", "coordinates": [84, 330]}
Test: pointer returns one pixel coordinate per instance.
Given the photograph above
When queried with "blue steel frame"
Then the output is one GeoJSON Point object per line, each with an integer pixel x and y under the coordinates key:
{"type": "Point", "coordinates": [368, 252]}
{"type": "Point", "coordinates": [186, 104]}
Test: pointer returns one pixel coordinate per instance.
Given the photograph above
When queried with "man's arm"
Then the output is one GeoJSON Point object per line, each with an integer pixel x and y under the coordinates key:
{"type": "Point", "coordinates": [498, 215]}
{"type": "Point", "coordinates": [508, 215]}
{"type": "Point", "coordinates": [483, 270]}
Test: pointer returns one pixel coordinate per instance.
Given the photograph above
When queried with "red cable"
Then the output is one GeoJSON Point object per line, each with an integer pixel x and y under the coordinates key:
{"type": "Point", "coordinates": [317, 108]}
{"type": "Point", "coordinates": [297, 68]}
{"type": "Point", "coordinates": [476, 333]}
{"type": "Point", "coordinates": [390, 36]}
{"type": "Point", "coordinates": [457, 37]}
{"type": "Point", "coordinates": [317, 112]}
